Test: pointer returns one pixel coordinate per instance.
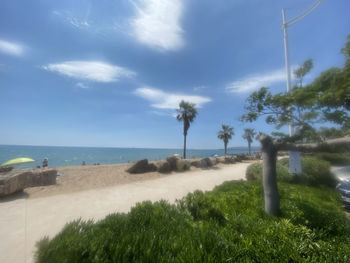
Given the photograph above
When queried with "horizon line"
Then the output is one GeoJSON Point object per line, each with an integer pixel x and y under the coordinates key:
{"type": "Point", "coordinates": [153, 148]}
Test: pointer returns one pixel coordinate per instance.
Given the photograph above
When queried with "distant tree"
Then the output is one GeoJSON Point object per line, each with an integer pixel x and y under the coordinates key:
{"type": "Point", "coordinates": [187, 112]}
{"type": "Point", "coordinates": [301, 72]}
{"type": "Point", "coordinates": [226, 134]}
{"type": "Point", "coordinates": [249, 135]}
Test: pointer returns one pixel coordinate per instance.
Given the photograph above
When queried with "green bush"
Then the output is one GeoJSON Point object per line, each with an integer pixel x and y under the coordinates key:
{"type": "Point", "coordinates": [315, 172]}
{"type": "Point", "coordinates": [227, 224]}
{"type": "Point", "coordinates": [254, 172]}
{"type": "Point", "coordinates": [334, 158]}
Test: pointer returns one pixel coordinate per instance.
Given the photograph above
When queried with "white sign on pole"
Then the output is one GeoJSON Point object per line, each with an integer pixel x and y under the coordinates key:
{"type": "Point", "coordinates": [294, 162]}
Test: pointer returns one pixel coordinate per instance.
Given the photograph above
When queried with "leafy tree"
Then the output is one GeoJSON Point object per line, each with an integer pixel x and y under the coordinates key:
{"type": "Point", "coordinates": [226, 134]}
{"type": "Point", "coordinates": [187, 112]}
{"type": "Point", "coordinates": [249, 135]}
{"type": "Point", "coordinates": [325, 133]}
{"type": "Point", "coordinates": [324, 100]}
{"type": "Point", "coordinates": [301, 72]}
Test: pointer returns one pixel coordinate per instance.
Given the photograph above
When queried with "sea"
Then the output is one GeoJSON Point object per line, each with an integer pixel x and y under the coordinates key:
{"type": "Point", "coordinates": [71, 156]}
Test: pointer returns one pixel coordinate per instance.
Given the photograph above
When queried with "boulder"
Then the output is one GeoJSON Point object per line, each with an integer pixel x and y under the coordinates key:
{"type": "Point", "coordinates": [214, 160]}
{"type": "Point", "coordinates": [220, 159]}
{"type": "Point", "coordinates": [195, 163]}
{"type": "Point", "coordinates": [203, 163]}
{"type": "Point", "coordinates": [142, 166]}
{"type": "Point", "coordinates": [228, 159]}
{"type": "Point", "coordinates": [172, 161]}
{"type": "Point", "coordinates": [163, 166]}
{"type": "Point", "coordinates": [182, 165]}
{"type": "Point", "coordinates": [17, 180]}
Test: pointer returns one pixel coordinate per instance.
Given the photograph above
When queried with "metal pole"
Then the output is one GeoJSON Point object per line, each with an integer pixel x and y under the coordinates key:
{"type": "Point", "coordinates": [286, 56]}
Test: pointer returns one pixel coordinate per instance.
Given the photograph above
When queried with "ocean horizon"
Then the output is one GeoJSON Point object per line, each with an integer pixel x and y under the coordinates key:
{"type": "Point", "coordinates": [72, 155]}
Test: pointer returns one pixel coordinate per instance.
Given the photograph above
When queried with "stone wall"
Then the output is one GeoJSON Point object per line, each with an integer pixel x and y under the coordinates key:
{"type": "Point", "coordinates": [17, 180]}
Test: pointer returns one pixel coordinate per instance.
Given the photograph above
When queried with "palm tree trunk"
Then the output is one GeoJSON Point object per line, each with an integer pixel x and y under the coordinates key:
{"type": "Point", "coordinates": [184, 146]}
{"type": "Point", "coordinates": [249, 148]}
{"type": "Point", "coordinates": [225, 143]}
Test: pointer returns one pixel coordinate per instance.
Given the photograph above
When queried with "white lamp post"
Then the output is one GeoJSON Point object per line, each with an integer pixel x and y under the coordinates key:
{"type": "Point", "coordinates": [294, 157]}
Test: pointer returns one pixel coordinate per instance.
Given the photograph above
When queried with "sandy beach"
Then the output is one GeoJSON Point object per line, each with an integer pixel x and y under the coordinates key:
{"type": "Point", "coordinates": [73, 179]}
{"type": "Point", "coordinates": [92, 192]}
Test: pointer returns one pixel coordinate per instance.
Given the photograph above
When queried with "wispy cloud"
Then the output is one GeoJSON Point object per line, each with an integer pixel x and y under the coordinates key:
{"type": "Point", "coordinates": [82, 85]}
{"type": "Point", "coordinates": [256, 81]}
{"type": "Point", "coordinates": [163, 100]}
{"type": "Point", "coordinates": [11, 48]}
{"type": "Point", "coordinates": [157, 23]}
{"type": "Point", "coordinates": [90, 70]}
{"type": "Point", "coordinates": [75, 21]}
{"type": "Point", "coordinates": [199, 88]}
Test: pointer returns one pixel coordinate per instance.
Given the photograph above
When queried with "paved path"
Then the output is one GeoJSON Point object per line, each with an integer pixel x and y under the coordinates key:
{"type": "Point", "coordinates": [25, 221]}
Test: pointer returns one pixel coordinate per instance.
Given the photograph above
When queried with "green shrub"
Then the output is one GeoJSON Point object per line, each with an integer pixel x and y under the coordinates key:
{"type": "Point", "coordinates": [315, 172]}
{"type": "Point", "coordinates": [334, 158]}
{"type": "Point", "coordinates": [254, 172]}
{"type": "Point", "coordinates": [227, 224]}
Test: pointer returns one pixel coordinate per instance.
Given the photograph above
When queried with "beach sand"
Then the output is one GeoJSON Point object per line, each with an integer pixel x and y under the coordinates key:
{"type": "Point", "coordinates": [92, 192]}
{"type": "Point", "coordinates": [81, 178]}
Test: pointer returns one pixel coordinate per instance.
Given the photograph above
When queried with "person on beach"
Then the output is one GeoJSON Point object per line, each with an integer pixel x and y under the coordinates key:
{"type": "Point", "coordinates": [45, 163]}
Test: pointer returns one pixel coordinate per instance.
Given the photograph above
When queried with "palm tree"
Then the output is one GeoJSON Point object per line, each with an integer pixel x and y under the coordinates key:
{"type": "Point", "coordinates": [187, 112]}
{"type": "Point", "coordinates": [249, 135]}
{"type": "Point", "coordinates": [226, 134]}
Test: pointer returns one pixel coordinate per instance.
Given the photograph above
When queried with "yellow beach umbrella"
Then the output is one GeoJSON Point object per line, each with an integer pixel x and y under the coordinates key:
{"type": "Point", "coordinates": [18, 161]}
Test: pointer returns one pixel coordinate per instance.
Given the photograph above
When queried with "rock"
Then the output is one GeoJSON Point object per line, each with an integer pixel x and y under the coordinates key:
{"type": "Point", "coordinates": [220, 159]}
{"type": "Point", "coordinates": [163, 166]}
{"type": "Point", "coordinates": [203, 163]}
{"type": "Point", "coordinates": [6, 169]}
{"type": "Point", "coordinates": [172, 161]}
{"type": "Point", "coordinates": [228, 159]}
{"type": "Point", "coordinates": [214, 160]}
{"type": "Point", "coordinates": [196, 163]}
{"type": "Point", "coordinates": [17, 180]}
{"type": "Point", "coordinates": [142, 166]}
{"type": "Point", "coordinates": [182, 165]}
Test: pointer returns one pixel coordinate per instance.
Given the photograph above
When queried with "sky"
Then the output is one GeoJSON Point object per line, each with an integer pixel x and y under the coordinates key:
{"type": "Point", "coordinates": [112, 73]}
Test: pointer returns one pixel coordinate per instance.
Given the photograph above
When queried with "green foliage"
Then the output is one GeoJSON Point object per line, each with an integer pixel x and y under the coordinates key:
{"type": "Point", "coordinates": [331, 133]}
{"type": "Point", "coordinates": [315, 172]}
{"type": "Point", "coordinates": [326, 99]}
{"type": "Point", "coordinates": [227, 224]}
{"type": "Point", "coordinates": [301, 72]}
{"type": "Point", "coordinates": [249, 134]}
{"type": "Point", "coordinates": [334, 158]}
{"type": "Point", "coordinates": [187, 167]}
{"type": "Point", "coordinates": [187, 112]}
{"type": "Point", "coordinates": [226, 133]}
{"type": "Point", "coordinates": [254, 172]}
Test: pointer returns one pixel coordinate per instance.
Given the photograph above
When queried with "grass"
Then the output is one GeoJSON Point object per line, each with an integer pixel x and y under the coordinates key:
{"type": "Point", "coordinates": [227, 224]}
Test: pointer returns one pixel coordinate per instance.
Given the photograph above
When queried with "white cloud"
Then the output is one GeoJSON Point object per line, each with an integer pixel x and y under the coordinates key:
{"type": "Point", "coordinates": [80, 23]}
{"type": "Point", "coordinates": [163, 100]}
{"type": "Point", "coordinates": [82, 85]}
{"type": "Point", "coordinates": [11, 48]}
{"type": "Point", "coordinates": [90, 70]}
{"type": "Point", "coordinates": [199, 88]}
{"type": "Point", "coordinates": [157, 23]}
{"type": "Point", "coordinates": [256, 81]}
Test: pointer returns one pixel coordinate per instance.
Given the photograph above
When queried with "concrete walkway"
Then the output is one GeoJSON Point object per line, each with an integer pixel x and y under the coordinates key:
{"type": "Point", "coordinates": [25, 221]}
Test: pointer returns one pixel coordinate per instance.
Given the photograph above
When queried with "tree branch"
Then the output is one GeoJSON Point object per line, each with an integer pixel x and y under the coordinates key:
{"type": "Point", "coordinates": [334, 145]}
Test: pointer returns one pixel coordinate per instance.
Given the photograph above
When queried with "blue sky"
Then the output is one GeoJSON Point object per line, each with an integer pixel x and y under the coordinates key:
{"type": "Point", "coordinates": [111, 73]}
